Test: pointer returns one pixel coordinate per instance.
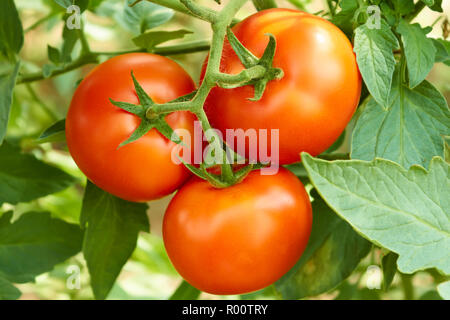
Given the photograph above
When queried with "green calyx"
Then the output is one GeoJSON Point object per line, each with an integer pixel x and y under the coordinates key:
{"type": "Point", "coordinates": [251, 61]}
{"type": "Point", "coordinates": [147, 122]}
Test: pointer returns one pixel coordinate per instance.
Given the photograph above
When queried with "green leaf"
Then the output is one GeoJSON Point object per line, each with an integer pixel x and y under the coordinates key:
{"type": "Point", "coordinates": [53, 54]}
{"type": "Point", "coordinates": [408, 131]}
{"type": "Point", "coordinates": [344, 19]}
{"type": "Point", "coordinates": [374, 54]}
{"type": "Point", "coordinates": [113, 226]}
{"type": "Point", "coordinates": [334, 250]}
{"type": "Point", "coordinates": [8, 291]}
{"type": "Point", "coordinates": [143, 16]}
{"type": "Point", "coordinates": [442, 50]}
{"type": "Point", "coordinates": [151, 39]}
{"type": "Point", "coordinates": [419, 52]}
{"type": "Point", "coordinates": [444, 290]}
{"type": "Point", "coordinates": [185, 292]}
{"type": "Point", "coordinates": [403, 7]}
{"type": "Point", "coordinates": [389, 265]}
{"type": "Point", "coordinates": [35, 243]}
{"type": "Point", "coordinates": [11, 30]}
{"type": "Point", "coordinates": [56, 132]}
{"type": "Point", "coordinates": [7, 83]}
{"type": "Point", "coordinates": [435, 5]}
{"type": "Point", "coordinates": [404, 211]}
{"type": "Point", "coordinates": [24, 178]}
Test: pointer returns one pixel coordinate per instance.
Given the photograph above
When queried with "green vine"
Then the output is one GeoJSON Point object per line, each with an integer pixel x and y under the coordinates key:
{"type": "Point", "coordinates": [257, 72]}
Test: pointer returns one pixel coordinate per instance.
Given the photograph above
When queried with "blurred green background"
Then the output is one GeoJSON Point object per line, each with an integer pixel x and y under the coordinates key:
{"type": "Point", "coordinates": [149, 274]}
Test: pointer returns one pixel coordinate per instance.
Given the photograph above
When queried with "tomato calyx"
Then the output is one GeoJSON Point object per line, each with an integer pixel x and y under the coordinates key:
{"type": "Point", "coordinates": [250, 61]}
{"type": "Point", "coordinates": [147, 122]}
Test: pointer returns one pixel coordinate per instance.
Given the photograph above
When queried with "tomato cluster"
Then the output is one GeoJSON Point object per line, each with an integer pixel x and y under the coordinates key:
{"type": "Point", "coordinates": [241, 238]}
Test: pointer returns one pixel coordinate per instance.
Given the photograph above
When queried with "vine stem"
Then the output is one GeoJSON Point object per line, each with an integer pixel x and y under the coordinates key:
{"type": "Point", "coordinates": [220, 21]}
{"type": "Point", "coordinates": [92, 58]}
{"type": "Point", "coordinates": [408, 288]}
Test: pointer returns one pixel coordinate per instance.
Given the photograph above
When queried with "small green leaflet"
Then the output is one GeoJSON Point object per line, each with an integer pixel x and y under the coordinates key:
{"type": "Point", "coordinates": [7, 83]}
{"type": "Point", "coordinates": [56, 132]}
{"type": "Point", "coordinates": [112, 228]}
{"type": "Point", "coordinates": [405, 211]}
{"type": "Point", "coordinates": [403, 6]}
{"type": "Point", "coordinates": [34, 244]}
{"type": "Point", "coordinates": [344, 19]}
{"type": "Point", "coordinates": [375, 57]}
{"type": "Point", "coordinates": [408, 131]}
{"type": "Point", "coordinates": [53, 54]}
{"type": "Point", "coordinates": [151, 39]}
{"type": "Point", "coordinates": [334, 251]}
{"type": "Point", "coordinates": [24, 178]}
{"type": "Point", "coordinates": [442, 51]}
{"type": "Point", "coordinates": [389, 265]}
{"type": "Point", "coordinates": [435, 5]}
{"type": "Point", "coordinates": [419, 51]}
{"type": "Point", "coordinates": [143, 16]}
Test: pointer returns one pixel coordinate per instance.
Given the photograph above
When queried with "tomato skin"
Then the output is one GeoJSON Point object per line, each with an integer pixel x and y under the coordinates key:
{"type": "Point", "coordinates": [238, 239]}
{"type": "Point", "coordinates": [142, 170]}
{"type": "Point", "coordinates": [314, 101]}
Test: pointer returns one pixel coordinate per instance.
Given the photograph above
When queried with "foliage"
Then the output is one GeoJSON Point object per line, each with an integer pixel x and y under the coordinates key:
{"type": "Point", "coordinates": [380, 194]}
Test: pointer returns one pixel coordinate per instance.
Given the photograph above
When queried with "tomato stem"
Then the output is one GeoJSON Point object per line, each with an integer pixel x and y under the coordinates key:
{"type": "Point", "coordinates": [92, 58]}
{"type": "Point", "coordinates": [257, 72]}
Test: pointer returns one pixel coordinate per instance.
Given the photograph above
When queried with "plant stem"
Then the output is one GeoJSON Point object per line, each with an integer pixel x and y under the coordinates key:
{"type": "Point", "coordinates": [331, 7]}
{"type": "Point", "coordinates": [199, 11]}
{"type": "Point", "coordinates": [219, 23]}
{"type": "Point", "coordinates": [40, 21]}
{"type": "Point", "coordinates": [264, 4]}
{"type": "Point", "coordinates": [52, 115]}
{"type": "Point", "coordinates": [179, 7]}
{"type": "Point", "coordinates": [85, 48]}
{"type": "Point", "coordinates": [182, 48]}
{"type": "Point", "coordinates": [408, 288]}
{"type": "Point", "coordinates": [81, 61]}
{"type": "Point", "coordinates": [92, 58]}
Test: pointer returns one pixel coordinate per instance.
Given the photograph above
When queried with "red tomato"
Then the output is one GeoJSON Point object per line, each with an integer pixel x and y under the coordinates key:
{"type": "Point", "coordinates": [314, 101]}
{"type": "Point", "coordinates": [238, 239]}
{"type": "Point", "coordinates": [142, 170]}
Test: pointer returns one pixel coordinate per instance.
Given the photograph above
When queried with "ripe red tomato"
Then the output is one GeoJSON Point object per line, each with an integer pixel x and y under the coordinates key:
{"type": "Point", "coordinates": [142, 170]}
{"type": "Point", "coordinates": [238, 239]}
{"type": "Point", "coordinates": [314, 101]}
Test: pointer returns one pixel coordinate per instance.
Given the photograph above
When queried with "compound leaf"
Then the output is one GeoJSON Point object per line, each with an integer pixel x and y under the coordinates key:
{"type": "Point", "coordinates": [405, 211]}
